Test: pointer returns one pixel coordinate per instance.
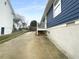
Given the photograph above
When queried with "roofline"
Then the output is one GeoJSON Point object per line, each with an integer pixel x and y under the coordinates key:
{"type": "Point", "coordinates": [48, 6]}
{"type": "Point", "coordinates": [11, 7]}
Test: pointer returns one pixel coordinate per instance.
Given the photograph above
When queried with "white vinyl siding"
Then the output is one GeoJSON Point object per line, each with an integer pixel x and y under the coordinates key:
{"type": "Point", "coordinates": [6, 17]}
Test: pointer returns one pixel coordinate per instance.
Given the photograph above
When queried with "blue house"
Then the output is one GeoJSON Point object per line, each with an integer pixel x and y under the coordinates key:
{"type": "Point", "coordinates": [61, 19]}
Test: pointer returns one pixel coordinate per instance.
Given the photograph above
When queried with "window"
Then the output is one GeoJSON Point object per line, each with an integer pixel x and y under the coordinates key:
{"type": "Point", "coordinates": [56, 8]}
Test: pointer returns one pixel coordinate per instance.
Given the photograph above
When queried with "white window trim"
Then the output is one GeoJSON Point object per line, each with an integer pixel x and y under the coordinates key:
{"type": "Point", "coordinates": [55, 7]}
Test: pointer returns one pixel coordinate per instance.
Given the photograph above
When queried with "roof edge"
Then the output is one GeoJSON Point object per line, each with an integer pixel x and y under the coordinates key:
{"type": "Point", "coordinates": [11, 7]}
{"type": "Point", "coordinates": [48, 6]}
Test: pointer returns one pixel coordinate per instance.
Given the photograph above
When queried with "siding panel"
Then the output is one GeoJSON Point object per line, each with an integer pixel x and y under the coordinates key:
{"type": "Point", "coordinates": [50, 13]}
{"type": "Point", "coordinates": [70, 12]}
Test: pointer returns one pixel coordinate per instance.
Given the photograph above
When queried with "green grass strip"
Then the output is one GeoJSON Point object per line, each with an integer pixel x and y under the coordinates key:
{"type": "Point", "coordinates": [6, 38]}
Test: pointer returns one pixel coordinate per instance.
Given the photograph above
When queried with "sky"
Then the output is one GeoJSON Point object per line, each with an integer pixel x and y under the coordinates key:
{"type": "Point", "coordinates": [30, 9]}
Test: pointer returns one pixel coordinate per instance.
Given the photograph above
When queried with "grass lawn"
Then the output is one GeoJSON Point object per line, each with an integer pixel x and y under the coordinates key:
{"type": "Point", "coordinates": [11, 36]}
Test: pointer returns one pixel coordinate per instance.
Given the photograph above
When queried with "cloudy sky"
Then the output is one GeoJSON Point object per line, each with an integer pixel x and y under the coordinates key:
{"type": "Point", "coordinates": [31, 9]}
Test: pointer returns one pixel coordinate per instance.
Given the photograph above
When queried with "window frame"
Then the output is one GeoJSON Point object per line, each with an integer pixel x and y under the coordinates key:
{"type": "Point", "coordinates": [55, 8]}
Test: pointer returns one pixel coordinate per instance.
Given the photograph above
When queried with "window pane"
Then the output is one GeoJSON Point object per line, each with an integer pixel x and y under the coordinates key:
{"type": "Point", "coordinates": [57, 8]}
{"type": "Point", "coordinates": [55, 3]}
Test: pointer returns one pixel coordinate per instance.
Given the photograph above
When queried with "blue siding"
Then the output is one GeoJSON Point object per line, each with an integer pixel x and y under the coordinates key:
{"type": "Point", "coordinates": [70, 12]}
{"type": "Point", "coordinates": [50, 13]}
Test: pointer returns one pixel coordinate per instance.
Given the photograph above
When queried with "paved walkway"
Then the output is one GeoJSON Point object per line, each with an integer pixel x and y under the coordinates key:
{"type": "Point", "coordinates": [29, 46]}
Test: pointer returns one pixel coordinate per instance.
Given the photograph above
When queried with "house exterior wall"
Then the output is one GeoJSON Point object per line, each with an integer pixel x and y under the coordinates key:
{"type": "Point", "coordinates": [69, 12]}
{"type": "Point", "coordinates": [65, 36]}
{"type": "Point", "coordinates": [42, 24]}
{"type": "Point", "coordinates": [6, 17]}
{"type": "Point", "coordinates": [50, 13]}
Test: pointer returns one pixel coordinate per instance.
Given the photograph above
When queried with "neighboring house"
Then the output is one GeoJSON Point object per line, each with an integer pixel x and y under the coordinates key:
{"type": "Point", "coordinates": [19, 22]}
{"type": "Point", "coordinates": [6, 17]}
{"type": "Point", "coordinates": [62, 20]}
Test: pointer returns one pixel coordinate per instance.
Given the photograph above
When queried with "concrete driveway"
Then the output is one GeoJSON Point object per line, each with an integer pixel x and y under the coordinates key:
{"type": "Point", "coordinates": [29, 46]}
